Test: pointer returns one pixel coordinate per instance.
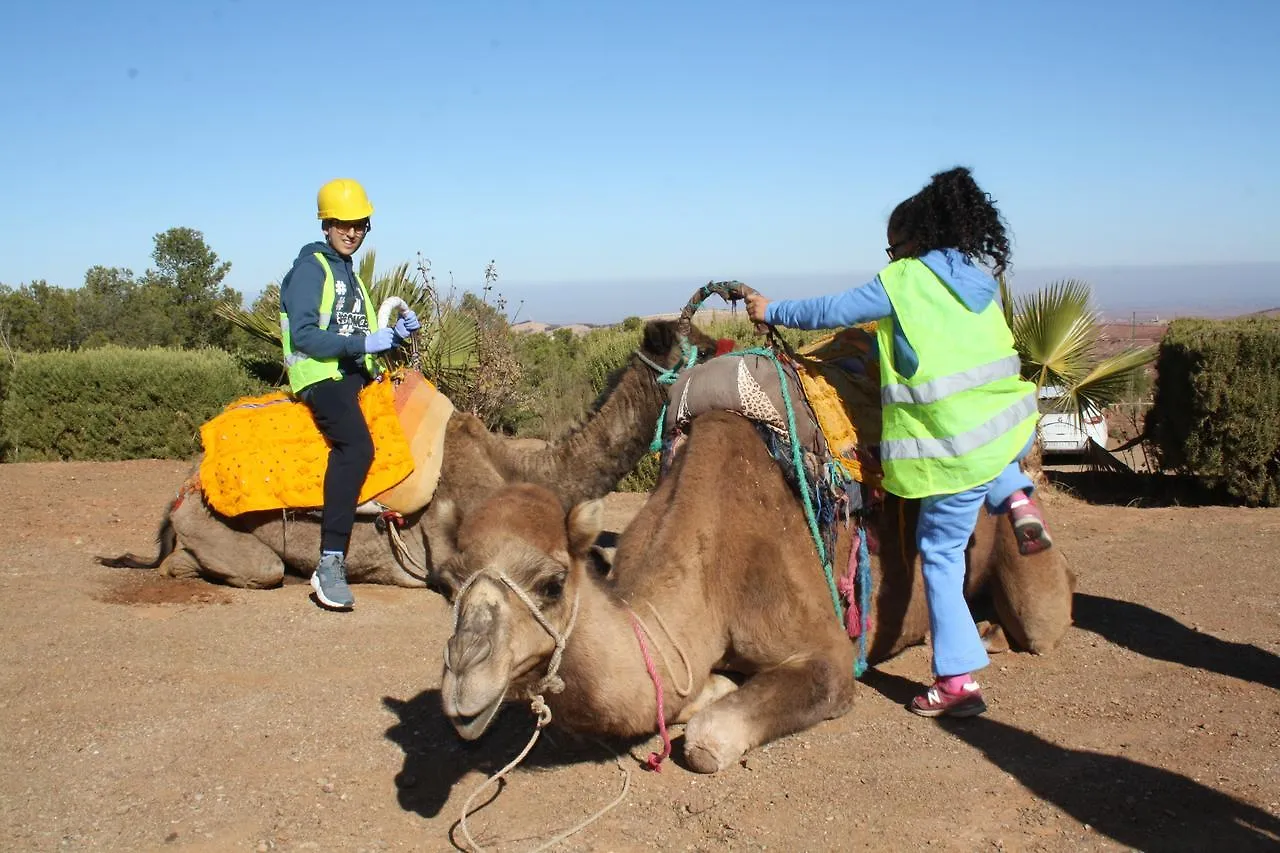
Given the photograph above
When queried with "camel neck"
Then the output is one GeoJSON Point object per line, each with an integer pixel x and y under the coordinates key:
{"type": "Point", "coordinates": [589, 461]}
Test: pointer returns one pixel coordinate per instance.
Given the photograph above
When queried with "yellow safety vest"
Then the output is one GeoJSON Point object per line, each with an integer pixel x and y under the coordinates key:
{"type": "Point", "coordinates": [966, 413]}
{"type": "Point", "coordinates": [305, 370]}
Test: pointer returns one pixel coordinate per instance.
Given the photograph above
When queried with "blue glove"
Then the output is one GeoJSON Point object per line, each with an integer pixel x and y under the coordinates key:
{"type": "Point", "coordinates": [407, 324]}
{"type": "Point", "coordinates": [379, 341]}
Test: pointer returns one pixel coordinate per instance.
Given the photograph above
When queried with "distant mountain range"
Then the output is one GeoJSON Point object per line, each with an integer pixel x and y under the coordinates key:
{"type": "Point", "coordinates": [1121, 293]}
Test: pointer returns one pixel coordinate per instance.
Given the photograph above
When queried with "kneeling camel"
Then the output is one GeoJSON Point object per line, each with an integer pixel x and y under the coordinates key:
{"type": "Point", "coordinates": [719, 574]}
{"type": "Point", "coordinates": [252, 550]}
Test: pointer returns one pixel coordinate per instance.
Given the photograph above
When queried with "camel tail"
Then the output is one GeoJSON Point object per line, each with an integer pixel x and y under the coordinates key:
{"type": "Point", "coordinates": [166, 538]}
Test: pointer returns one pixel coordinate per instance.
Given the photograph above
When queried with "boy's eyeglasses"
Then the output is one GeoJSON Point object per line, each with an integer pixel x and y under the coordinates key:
{"type": "Point", "coordinates": [360, 227]}
{"type": "Point", "coordinates": [892, 251]}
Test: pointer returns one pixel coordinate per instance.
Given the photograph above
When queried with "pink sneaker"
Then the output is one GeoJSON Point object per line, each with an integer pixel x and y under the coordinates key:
{"type": "Point", "coordinates": [938, 700]}
{"type": "Point", "coordinates": [1028, 525]}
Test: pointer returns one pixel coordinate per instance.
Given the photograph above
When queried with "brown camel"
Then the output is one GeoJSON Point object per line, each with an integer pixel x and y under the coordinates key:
{"type": "Point", "coordinates": [720, 568]}
{"type": "Point", "coordinates": [252, 550]}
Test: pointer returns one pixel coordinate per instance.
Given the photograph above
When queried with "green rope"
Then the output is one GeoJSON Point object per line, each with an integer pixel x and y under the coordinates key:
{"type": "Point", "coordinates": [669, 377]}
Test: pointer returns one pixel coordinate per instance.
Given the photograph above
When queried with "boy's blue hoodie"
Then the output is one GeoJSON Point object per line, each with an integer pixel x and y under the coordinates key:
{"type": "Point", "coordinates": [971, 284]}
{"type": "Point", "coordinates": [300, 299]}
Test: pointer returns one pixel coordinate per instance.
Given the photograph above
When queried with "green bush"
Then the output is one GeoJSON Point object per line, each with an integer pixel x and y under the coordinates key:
{"type": "Point", "coordinates": [6, 369]}
{"type": "Point", "coordinates": [114, 403]}
{"type": "Point", "coordinates": [1217, 405]}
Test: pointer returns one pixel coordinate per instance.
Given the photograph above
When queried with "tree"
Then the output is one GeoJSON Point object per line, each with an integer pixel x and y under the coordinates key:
{"type": "Point", "coordinates": [115, 309]}
{"type": "Point", "coordinates": [39, 317]}
{"type": "Point", "coordinates": [187, 281]}
{"type": "Point", "coordinates": [1057, 332]}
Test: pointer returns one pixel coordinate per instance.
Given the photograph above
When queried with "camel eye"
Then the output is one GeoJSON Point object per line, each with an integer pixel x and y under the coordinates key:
{"type": "Point", "coordinates": [552, 589]}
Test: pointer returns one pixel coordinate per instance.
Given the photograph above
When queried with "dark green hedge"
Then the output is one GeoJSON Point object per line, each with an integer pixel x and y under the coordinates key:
{"type": "Point", "coordinates": [114, 403]}
{"type": "Point", "coordinates": [1217, 405]}
{"type": "Point", "coordinates": [6, 369]}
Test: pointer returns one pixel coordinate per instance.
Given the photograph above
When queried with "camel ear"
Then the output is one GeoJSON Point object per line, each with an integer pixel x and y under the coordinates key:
{"type": "Point", "coordinates": [586, 520]}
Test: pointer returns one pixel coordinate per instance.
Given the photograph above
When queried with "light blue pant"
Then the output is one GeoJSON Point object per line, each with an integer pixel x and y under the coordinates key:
{"type": "Point", "coordinates": [942, 535]}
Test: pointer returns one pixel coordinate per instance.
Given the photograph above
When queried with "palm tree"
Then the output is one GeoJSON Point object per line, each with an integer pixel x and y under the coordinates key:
{"type": "Point", "coordinates": [450, 351]}
{"type": "Point", "coordinates": [1057, 332]}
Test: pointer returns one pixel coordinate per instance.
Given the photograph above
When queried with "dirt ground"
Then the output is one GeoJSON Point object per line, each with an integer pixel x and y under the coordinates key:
{"type": "Point", "coordinates": [143, 714]}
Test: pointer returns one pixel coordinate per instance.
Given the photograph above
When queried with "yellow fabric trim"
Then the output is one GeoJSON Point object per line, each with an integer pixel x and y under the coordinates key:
{"type": "Point", "coordinates": [846, 405]}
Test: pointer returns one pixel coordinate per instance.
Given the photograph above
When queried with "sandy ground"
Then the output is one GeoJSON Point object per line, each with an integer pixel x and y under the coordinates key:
{"type": "Point", "coordinates": [144, 714]}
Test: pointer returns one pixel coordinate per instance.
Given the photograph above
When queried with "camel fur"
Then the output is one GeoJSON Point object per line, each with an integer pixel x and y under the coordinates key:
{"type": "Point", "coordinates": [253, 550]}
{"type": "Point", "coordinates": [720, 566]}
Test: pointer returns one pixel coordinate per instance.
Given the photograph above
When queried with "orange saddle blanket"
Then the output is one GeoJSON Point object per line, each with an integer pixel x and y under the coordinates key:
{"type": "Point", "coordinates": [266, 452]}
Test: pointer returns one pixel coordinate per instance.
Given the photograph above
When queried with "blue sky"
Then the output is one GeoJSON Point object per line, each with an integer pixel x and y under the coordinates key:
{"type": "Point", "coordinates": [612, 156]}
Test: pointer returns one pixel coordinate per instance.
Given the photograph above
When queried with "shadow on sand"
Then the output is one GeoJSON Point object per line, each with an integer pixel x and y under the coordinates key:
{"type": "Point", "coordinates": [436, 759]}
{"type": "Point", "coordinates": [1125, 488]}
{"type": "Point", "coordinates": [1155, 635]}
{"type": "Point", "coordinates": [1135, 804]}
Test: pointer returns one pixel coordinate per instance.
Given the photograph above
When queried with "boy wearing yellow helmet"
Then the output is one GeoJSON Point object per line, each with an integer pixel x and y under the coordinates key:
{"type": "Point", "coordinates": [329, 335]}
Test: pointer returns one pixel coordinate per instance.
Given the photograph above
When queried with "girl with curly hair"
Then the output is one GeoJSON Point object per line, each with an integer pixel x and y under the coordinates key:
{"type": "Point", "coordinates": [958, 417]}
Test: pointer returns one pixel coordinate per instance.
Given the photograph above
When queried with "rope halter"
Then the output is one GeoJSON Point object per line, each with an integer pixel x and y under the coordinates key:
{"type": "Point", "coordinates": [551, 682]}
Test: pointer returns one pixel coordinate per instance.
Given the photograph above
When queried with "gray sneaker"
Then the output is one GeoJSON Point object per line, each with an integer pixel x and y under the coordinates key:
{"type": "Point", "coordinates": [330, 583]}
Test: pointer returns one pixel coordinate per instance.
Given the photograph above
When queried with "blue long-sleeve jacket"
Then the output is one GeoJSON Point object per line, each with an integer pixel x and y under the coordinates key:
{"type": "Point", "coordinates": [300, 294]}
{"type": "Point", "coordinates": [971, 284]}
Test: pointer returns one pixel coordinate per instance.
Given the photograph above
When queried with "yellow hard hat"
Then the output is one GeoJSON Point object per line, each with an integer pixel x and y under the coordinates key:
{"type": "Point", "coordinates": [344, 199]}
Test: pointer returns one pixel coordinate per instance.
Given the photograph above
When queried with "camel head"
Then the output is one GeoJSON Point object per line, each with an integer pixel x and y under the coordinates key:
{"type": "Point", "coordinates": [661, 343]}
{"type": "Point", "coordinates": [514, 582]}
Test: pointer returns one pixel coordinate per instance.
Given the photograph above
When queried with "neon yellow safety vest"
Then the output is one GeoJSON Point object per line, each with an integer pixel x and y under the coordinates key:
{"type": "Point", "coordinates": [305, 370]}
{"type": "Point", "coordinates": [966, 412]}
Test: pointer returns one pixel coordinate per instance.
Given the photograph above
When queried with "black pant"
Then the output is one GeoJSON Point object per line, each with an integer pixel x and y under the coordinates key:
{"type": "Point", "coordinates": [335, 404]}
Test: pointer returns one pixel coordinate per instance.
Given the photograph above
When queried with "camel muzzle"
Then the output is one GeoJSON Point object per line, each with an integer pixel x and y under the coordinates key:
{"type": "Point", "coordinates": [467, 649]}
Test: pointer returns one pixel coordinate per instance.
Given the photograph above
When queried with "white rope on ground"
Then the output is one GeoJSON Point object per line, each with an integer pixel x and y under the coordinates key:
{"type": "Point", "coordinates": [544, 717]}
{"type": "Point", "coordinates": [550, 683]}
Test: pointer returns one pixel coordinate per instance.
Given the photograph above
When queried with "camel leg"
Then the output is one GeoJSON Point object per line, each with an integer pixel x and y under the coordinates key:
{"type": "Point", "coordinates": [1032, 594]}
{"type": "Point", "coordinates": [793, 695]}
{"type": "Point", "coordinates": [180, 564]}
{"type": "Point", "coordinates": [716, 687]}
{"type": "Point", "coordinates": [224, 555]}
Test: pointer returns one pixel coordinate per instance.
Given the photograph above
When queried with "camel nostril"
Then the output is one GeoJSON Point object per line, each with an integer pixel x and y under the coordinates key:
{"type": "Point", "coordinates": [465, 651]}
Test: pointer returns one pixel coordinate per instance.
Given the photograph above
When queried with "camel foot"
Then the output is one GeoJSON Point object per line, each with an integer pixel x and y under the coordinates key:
{"type": "Point", "coordinates": [993, 637]}
{"type": "Point", "coordinates": [708, 749]}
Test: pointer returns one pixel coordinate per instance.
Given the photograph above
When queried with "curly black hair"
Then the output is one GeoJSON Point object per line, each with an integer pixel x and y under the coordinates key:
{"type": "Point", "coordinates": [952, 212]}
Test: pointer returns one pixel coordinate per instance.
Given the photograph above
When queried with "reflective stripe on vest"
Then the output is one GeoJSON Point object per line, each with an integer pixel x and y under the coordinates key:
{"type": "Point", "coordinates": [965, 442]}
{"type": "Point", "coordinates": [945, 386]}
{"type": "Point", "coordinates": [966, 412]}
{"type": "Point", "coordinates": [305, 370]}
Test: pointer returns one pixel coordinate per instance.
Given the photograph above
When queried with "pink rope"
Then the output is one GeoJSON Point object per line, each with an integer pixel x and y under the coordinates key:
{"type": "Point", "coordinates": [655, 760]}
{"type": "Point", "coordinates": [847, 585]}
